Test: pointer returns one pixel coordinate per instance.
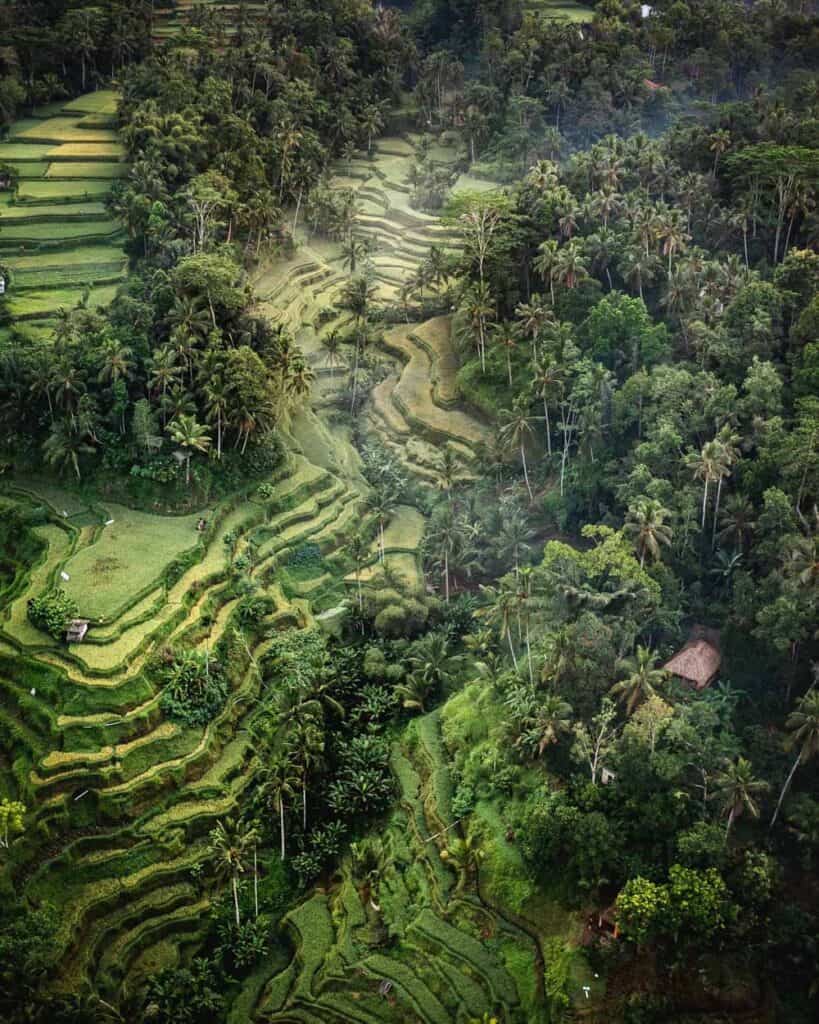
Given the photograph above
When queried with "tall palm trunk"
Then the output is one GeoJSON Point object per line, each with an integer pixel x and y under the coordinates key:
{"type": "Point", "coordinates": [548, 427]}
{"type": "Point", "coordinates": [236, 900]}
{"type": "Point", "coordinates": [446, 575]}
{"type": "Point", "coordinates": [704, 500]}
{"type": "Point", "coordinates": [716, 514]}
{"type": "Point", "coordinates": [785, 789]}
{"type": "Point", "coordinates": [255, 884]}
{"type": "Point", "coordinates": [281, 823]}
{"type": "Point", "coordinates": [304, 802]}
{"type": "Point", "coordinates": [526, 471]}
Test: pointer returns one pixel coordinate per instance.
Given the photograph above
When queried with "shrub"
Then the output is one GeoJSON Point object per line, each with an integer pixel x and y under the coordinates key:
{"type": "Point", "coordinates": [52, 611]}
{"type": "Point", "coordinates": [195, 687]}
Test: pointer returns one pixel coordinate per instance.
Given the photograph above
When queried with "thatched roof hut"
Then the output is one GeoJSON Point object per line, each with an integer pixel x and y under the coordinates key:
{"type": "Point", "coordinates": [698, 663]}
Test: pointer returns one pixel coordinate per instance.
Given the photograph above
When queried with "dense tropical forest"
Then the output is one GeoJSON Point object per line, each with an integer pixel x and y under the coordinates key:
{"type": "Point", "coordinates": [409, 477]}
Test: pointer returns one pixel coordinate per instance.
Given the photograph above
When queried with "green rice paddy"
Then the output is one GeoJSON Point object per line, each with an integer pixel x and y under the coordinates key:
{"type": "Point", "coordinates": [54, 230]}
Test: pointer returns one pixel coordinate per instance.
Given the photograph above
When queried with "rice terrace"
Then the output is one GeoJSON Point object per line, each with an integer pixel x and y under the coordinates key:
{"type": "Point", "coordinates": [409, 477]}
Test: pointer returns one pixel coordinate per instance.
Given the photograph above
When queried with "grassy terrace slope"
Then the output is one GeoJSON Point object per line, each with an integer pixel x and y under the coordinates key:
{"type": "Point", "coordinates": [56, 235]}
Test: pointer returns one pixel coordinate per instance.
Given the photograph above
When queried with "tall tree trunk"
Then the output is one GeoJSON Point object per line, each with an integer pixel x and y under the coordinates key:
{"type": "Point", "coordinates": [236, 901]}
{"type": "Point", "coordinates": [526, 471]}
{"type": "Point", "coordinates": [548, 427]}
{"type": "Point", "coordinates": [281, 823]}
{"type": "Point", "coordinates": [716, 514]}
{"type": "Point", "coordinates": [255, 884]}
{"type": "Point", "coordinates": [785, 789]}
{"type": "Point", "coordinates": [704, 500]}
{"type": "Point", "coordinates": [511, 646]}
{"type": "Point", "coordinates": [446, 575]}
{"type": "Point", "coordinates": [304, 801]}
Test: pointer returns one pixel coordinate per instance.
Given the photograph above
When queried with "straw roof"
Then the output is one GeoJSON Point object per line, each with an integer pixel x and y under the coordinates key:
{"type": "Point", "coordinates": [698, 663]}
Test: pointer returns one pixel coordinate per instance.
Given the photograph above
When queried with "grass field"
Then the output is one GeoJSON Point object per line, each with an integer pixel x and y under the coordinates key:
{"type": "Point", "coordinates": [558, 9]}
{"type": "Point", "coordinates": [36, 304]}
{"type": "Point", "coordinates": [128, 556]}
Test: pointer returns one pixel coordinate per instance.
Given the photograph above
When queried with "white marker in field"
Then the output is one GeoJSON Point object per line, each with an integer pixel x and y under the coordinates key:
{"type": "Point", "coordinates": [64, 576]}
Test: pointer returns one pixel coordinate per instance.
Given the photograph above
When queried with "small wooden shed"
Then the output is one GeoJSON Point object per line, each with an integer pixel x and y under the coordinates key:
{"type": "Point", "coordinates": [75, 633]}
{"type": "Point", "coordinates": [698, 663]}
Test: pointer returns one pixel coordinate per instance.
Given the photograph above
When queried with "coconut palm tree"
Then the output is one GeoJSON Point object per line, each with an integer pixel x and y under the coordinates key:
{"type": "Point", "coordinates": [518, 426]}
{"type": "Point", "coordinates": [709, 465]}
{"type": "Point", "coordinates": [359, 550]}
{"type": "Point", "coordinates": [735, 787]}
{"type": "Point", "coordinates": [479, 308]}
{"type": "Point", "coordinates": [803, 728]}
{"type": "Point", "coordinates": [307, 739]}
{"type": "Point", "coordinates": [737, 521]}
{"type": "Point", "coordinates": [164, 373]}
{"type": "Point", "coordinates": [414, 692]}
{"type": "Point", "coordinates": [551, 720]}
{"type": "Point", "coordinates": [571, 266]}
{"type": "Point", "coordinates": [382, 504]}
{"type": "Point", "coordinates": [646, 525]}
{"type": "Point", "coordinates": [217, 406]}
{"type": "Point", "coordinates": [532, 318]}
{"type": "Point", "coordinates": [642, 680]}
{"type": "Point", "coordinates": [433, 661]}
{"type": "Point", "coordinates": [356, 299]}
{"type": "Point", "coordinates": [229, 847]}
{"type": "Point", "coordinates": [504, 336]}
{"type": "Point", "coordinates": [465, 855]}
{"type": "Point", "coordinates": [65, 445]}
{"type": "Point", "coordinates": [500, 607]}
{"type": "Point", "coordinates": [191, 437]}
{"type": "Point", "coordinates": [546, 262]}
{"type": "Point", "coordinates": [331, 344]}
{"type": "Point", "coordinates": [279, 782]}
{"type": "Point", "coordinates": [116, 362]}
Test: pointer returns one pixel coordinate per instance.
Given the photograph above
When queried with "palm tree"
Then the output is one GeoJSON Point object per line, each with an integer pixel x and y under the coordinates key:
{"type": "Point", "coordinates": [353, 250]}
{"type": "Point", "coordinates": [642, 680]}
{"type": "Point", "coordinates": [638, 267]}
{"type": "Point", "coordinates": [164, 373]}
{"type": "Point", "coordinates": [517, 427]}
{"type": "Point", "coordinates": [709, 465]}
{"type": "Point", "coordinates": [479, 308]}
{"type": "Point", "coordinates": [571, 266]}
{"type": "Point", "coordinates": [217, 406]}
{"type": "Point", "coordinates": [372, 122]}
{"type": "Point", "coordinates": [191, 437]}
{"type": "Point", "coordinates": [735, 787]}
{"type": "Point", "coordinates": [803, 727]}
{"type": "Point", "coordinates": [533, 317]}
{"type": "Point", "coordinates": [545, 263]}
{"type": "Point", "coordinates": [718, 142]}
{"type": "Point", "coordinates": [549, 721]}
{"type": "Point", "coordinates": [500, 608]}
{"type": "Point", "coordinates": [801, 561]}
{"type": "Point", "coordinates": [443, 537]}
{"type": "Point", "coordinates": [414, 692]}
{"type": "Point", "coordinates": [359, 550]}
{"type": "Point", "coordinates": [505, 337]}
{"type": "Point", "coordinates": [279, 783]}
{"type": "Point", "coordinates": [432, 660]}
{"type": "Point", "coordinates": [116, 362]}
{"type": "Point", "coordinates": [307, 738]}
{"type": "Point", "coordinates": [331, 343]}
{"type": "Point", "coordinates": [646, 524]}
{"type": "Point", "coordinates": [356, 298]}
{"type": "Point", "coordinates": [382, 504]}
{"type": "Point", "coordinates": [737, 519]}
{"type": "Point", "coordinates": [229, 848]}
{"type": "Point", "coordinates": [65, 445]}
{"type": "Point", "coordinates": [465, 855]}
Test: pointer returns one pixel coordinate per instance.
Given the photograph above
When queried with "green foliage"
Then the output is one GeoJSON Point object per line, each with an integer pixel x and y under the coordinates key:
{"type": "Point", "coordinates": [190, 995]}
{"type": "Point", "coordinates": [194, 686]}
{"type": "Point", "coordinates": [52, 611]}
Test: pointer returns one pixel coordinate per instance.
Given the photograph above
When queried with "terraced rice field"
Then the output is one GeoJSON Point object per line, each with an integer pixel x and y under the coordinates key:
{"type": "Point", "coordinates": [128, 797]}
{"type": "Point", "coordinates": [56, 235]}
